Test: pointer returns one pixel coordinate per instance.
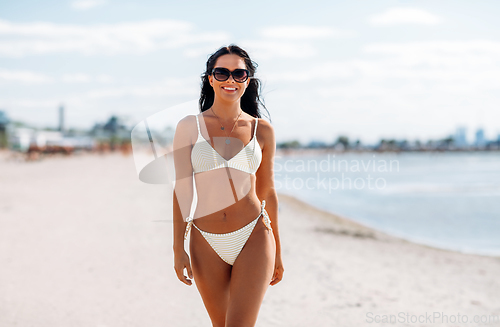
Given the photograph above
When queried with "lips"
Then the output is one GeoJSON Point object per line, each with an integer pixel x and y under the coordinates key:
{"type": "Point", "coordinates": [228, 88]}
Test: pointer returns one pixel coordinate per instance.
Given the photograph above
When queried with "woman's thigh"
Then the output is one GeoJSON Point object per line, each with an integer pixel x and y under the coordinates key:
{"type": "Point", "coordinates": [212, 277]}
{"type": "Point", "coordinates": [250, 277]}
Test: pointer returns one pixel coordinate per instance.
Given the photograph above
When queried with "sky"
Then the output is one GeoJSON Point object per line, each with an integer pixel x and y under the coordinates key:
{"type": "Point", "coordinates": [400, 69]}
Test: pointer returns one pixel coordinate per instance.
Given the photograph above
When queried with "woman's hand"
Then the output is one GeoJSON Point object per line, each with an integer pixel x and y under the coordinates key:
{"type": "Point", "coordinates": [278, 271]}
{"type": "Point", "coordinates": [181, 261]}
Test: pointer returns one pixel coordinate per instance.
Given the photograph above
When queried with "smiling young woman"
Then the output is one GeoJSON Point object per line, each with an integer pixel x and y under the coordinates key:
{"type": "Point", "coordinates": [228, 151]}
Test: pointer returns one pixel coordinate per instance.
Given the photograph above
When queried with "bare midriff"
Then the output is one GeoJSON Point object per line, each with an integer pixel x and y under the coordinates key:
{"type": "Point", "coordinates": [227, 204]}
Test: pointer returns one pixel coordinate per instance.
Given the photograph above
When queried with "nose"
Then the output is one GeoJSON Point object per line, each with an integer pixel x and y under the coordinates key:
{"type": "Point", "coordinates": [231, 79]}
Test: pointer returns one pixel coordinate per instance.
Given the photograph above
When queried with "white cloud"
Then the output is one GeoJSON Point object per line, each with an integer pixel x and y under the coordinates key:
{"type": "Point", "coordinates": [103, 78]}
{"type": "Point", "coordinates": [86, 78]}
{"type": "Point", "coordinates": [292, 32]}
{"type": "Point", "coordinates": [425, 50]}
{"type": "Point", "coordinates": [87, 4]}
{"type": "Point", "coordinates": [23, 76]}
{"type": "Point", "coordinates": [397, 16]}
{"type": "Point", "coordinates": [267, 49]}
{"type": "Point", "coordinates": [47, 103]}
{"type": "Point", "coordinates": [167, 87]}
{"type": "Point", "coordinates": [38, 38]}
{"type": "Point", "coordinates": [289, 41]}
{"type": "Point", "coordinates": [464, 66]}
{"type": "Point", "coordinates": [76, 78]}
{"type": "Point", "coordinates": [30, 77]}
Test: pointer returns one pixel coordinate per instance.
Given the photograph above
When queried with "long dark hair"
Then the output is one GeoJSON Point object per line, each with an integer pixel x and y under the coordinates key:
{"type": "Point", "coordinates": [251, 99]}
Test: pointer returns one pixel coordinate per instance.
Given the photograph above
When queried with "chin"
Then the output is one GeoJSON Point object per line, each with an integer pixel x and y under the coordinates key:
{"type": "Point", "coordinates": [231, 98]}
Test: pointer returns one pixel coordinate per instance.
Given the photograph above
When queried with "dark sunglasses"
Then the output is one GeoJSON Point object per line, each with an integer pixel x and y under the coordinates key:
{"type": "Point", "coordinates": [222, 74]}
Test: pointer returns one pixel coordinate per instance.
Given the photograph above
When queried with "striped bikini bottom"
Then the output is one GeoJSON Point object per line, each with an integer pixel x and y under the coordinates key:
{"type": "Point", "coordinates": [229, 245]}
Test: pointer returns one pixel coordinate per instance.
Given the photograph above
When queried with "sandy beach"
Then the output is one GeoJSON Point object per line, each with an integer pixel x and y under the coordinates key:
{"type": "Point", "coordinates": [84, 243]}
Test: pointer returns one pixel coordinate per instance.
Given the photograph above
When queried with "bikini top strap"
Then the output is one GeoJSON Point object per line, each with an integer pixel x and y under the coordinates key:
{"type": "Point", "coordinates": [254, 137]}
{"type": "Point", "coordinates": [255, 129]}
{"type": "Point", "coordinates": [197, 123]}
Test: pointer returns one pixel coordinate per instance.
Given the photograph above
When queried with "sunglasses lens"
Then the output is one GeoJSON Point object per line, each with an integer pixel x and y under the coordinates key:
{"type": "Point", "coordinates": [221, 74]}
{"type": "Point", "coordinates": [240, 75]}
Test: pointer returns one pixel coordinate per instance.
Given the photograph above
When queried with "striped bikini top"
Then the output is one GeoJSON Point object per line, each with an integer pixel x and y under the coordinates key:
{"type": "Point", "coordinates": [205, 158]}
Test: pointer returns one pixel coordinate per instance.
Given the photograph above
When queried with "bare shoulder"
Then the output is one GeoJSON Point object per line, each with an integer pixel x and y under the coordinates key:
{"type": "Point", "coordinates": [265, 133]}
{"type": "Point", "coordinates": [186, 121]}
{"type": "Point", "coordinates": [265, 128]}
{"type": "Point", "coordinates": [185, 130]}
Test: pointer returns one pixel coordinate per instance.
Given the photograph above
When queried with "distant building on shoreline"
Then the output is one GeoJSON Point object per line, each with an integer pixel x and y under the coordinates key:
{"type": "Point", "coordinates": [461, 137]}
{"type": "Point", "coordinates": [61, 119]}
{"type": "Point", "coordinates": [480, 139]}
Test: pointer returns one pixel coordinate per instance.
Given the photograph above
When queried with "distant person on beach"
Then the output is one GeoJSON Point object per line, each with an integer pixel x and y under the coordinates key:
{"type": "Point", "coordinates": [229, 153]}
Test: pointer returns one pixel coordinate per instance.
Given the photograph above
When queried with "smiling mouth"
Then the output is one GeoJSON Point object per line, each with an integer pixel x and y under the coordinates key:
{"type": "Point", "coordinates": [229, 88]}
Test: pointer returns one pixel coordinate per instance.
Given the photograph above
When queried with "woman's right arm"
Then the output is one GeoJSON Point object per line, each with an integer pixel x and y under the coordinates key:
{"type": "Point", "coordinates": [182, 195]}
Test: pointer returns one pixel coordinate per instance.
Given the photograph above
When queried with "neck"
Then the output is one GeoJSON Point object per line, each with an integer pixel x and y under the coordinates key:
{"type": "Point", "coordinates": [226, 111]}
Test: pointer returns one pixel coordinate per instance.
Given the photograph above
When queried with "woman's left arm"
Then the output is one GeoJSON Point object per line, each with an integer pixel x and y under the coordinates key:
{"type": "Point", "coordinates": [266, 191]}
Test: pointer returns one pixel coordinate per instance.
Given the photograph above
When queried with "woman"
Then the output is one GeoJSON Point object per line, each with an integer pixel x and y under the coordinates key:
{"type": "Point", "coordinates": [235, 247]}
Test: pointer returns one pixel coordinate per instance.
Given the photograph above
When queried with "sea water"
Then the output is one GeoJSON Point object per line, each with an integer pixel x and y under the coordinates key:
{"type": "Point", "coordinates": [449, 200]}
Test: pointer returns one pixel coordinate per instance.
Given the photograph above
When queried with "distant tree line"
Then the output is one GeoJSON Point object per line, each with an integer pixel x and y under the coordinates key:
{"type": "Point", "coordinates": [343, 143]}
